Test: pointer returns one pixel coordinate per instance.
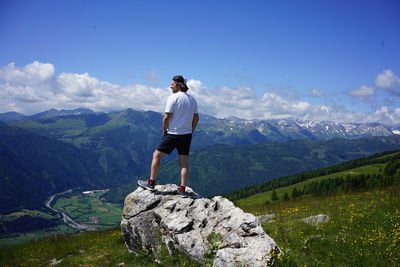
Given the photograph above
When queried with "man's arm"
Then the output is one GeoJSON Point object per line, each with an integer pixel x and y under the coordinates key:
{"type": "Point", "coordinates": [165, 122]}
{"type": "Point", "coordinates": [195, 121]}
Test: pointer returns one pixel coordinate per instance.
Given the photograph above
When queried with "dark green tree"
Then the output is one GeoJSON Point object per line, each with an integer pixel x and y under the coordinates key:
{"type": "Point", "coordinates": [295, 193]}
{"type": "Point", "coordinates": [286, 196]}
{"type": "Point", "coordinates": [274, 196]}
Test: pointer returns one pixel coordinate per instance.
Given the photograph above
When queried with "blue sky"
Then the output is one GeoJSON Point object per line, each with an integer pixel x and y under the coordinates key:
{"type": "Point", "coordinates": [316, 60]}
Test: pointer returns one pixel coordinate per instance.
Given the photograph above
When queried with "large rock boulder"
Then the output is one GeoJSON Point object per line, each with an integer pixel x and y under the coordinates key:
{"type": "Point", "coordinates": [206, 230]}
{"type": "Point", "coordinates": [317, 219]}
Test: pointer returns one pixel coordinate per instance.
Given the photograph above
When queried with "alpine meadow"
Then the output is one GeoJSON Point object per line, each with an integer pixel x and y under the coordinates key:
{"type": "Point", "coordinates": [200, 133]}
{"type": "Point", "coordinates": [352, 180]}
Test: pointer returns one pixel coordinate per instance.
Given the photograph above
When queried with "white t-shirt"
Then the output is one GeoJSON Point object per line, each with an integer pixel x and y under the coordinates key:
{"type": "Point", "coordinates": [182, 106]}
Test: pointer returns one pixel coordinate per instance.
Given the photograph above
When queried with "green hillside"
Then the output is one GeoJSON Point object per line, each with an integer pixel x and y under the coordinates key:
{"type": "Point", "coordinates": [122, 143]}
{"type": "Point", "coordinates": [32, 167]}
{"type": "Point", "coordinates": [372, 165]}
{"type": "Point", "coordinates": [380, 170]}
{"type": "Point", "coordinates": [363, 229]}
{"type": "Point", "coordinates": [364, 212]}
{"type": "Point", "coordinates": [101, 248]}
{"type": "Point", "coordinates": [280, 192]}
{"type": "Point", "coordinates": [221, 169]}
{"type": "Point", "coordinates": [122, 140]}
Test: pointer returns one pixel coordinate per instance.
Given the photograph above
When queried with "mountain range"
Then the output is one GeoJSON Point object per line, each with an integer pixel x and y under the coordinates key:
{"type": "Point", "coordinates": [59, 149]}
{"type": "Point", "coordinates": [234, 130]}
{"type": "Point", "coordinates": [15, 116]}
{"type": "Point", "coordinates": [32, 167]}
{"type": "Point", "coordinates": [254, 131]}
{"type": "Point", "coordinates": [220, 169]}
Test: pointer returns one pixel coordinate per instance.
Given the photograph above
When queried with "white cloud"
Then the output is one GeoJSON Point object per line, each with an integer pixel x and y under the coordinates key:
{"type": "Point", "coordinates": [363, 93]}
{"type": "Point", "coordinates": [36, 87]}
{"type": "Point", "coordinates": [32, 73]}
{"type": "Point", "coordinates": [385, 115]}
{"type": "Point", "coordinates": [388, 80]}
{"type": "Point", "coordinates": [24, 83]}
{"type": "Point", "coordinates": [78, 85]}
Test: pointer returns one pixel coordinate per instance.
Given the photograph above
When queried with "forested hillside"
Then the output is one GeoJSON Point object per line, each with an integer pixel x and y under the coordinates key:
{"type": "Point", "coordinates": [117, 149]}
{"type": "Point", "coordinates": [32, 167]}
{"type": "Point", "coordinates": [392, 158]}
{"type": "Point", "coordinates": [221, 169]}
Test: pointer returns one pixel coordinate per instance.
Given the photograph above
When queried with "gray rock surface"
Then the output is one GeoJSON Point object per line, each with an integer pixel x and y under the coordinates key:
{"type": "Point", "coordinates": [266, 218]}
{"type": "Point", "coordinates": [315, 220]}
{"type": "Point", "coordinates": [197, 227]}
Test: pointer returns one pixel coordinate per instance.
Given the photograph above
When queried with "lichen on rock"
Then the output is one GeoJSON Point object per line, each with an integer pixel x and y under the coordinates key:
{"type": "Point", "coordinates": [207, 230]}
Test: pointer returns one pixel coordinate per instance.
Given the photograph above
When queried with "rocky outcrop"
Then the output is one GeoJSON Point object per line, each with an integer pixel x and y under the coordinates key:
{"type": "Point", "coordinates": [207, 230]}
{"type": "Point", "coordinates": [317, 219]}
{"type": "Point", "coordinates": [266, 218]}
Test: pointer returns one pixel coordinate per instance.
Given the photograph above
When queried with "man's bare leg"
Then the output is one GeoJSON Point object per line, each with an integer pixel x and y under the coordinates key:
{"type": "Point", "coordinates": [155, 164]}
{"type": "Point", "coordinates": [184, 162]}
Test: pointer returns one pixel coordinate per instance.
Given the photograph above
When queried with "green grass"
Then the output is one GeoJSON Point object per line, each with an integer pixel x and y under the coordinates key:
{"type": "Point", "coordinates": [18, 239]}
{"type": "Point", "coordinates": [364, 229]}
{"type": "Point", "coordinates": [101, 248]}
{"type": "Point", "coordinates": [261, 198]}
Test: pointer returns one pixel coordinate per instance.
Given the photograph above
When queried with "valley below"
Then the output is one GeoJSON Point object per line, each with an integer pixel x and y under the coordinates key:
{"type": "Point", "coordinates": [280, 167]}
{"type": "Point", "coordinates": [360, 198]}
{"type": "Point", "coordinates": [71, 210]}
{"type": "Point", "coordinates": [67, 219]}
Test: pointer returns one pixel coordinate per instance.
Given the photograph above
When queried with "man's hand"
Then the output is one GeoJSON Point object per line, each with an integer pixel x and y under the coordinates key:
{"type": "Point", "coordinates": [195, 121]}
{"type": "Point", "coordinates": [165, 123]}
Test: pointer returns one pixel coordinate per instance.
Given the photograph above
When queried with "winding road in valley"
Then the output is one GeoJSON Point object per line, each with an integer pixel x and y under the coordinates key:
{"type": "Point", "coordinates": [68, 220]}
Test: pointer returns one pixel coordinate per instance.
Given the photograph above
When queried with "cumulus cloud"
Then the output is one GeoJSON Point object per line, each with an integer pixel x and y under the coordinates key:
{"type": "Point", "coordinates": [242, 102]}
{"type": "Point", "coordinates": [389, 81]}
{"type": "Point", "coordinates": [385, 115]}
{"type": "Point", "coordinates": [32, 73]}
{"type": "Point", "coordinates": [22, 83]}
{"type": "Point", "coordinates": [364, 92]}
{"type": "Point", "coordinates": [36, 87]}
{"type": "Point", "coordinates": [386, 81]}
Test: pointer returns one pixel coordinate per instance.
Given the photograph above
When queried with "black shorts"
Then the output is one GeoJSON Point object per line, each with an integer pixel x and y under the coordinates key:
{"type": "Point", "coordinates": [171, 141]}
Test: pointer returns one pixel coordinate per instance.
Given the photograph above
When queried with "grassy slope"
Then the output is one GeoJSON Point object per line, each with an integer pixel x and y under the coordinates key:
{"type": "Point", "coordinates": [261, 198]}
{"type": "Point", "coordinates": [102, 248]}
{"type": "Point", "coordinates": [364, 226]}
{"type": "Point", "coordinates": [220, 169]}
{"type": "Point", "coordinates": [364, 229]}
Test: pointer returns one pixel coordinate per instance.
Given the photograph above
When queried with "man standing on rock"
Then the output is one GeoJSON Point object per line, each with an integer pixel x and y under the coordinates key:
{"type": "Point", "coordinates": [179, 122]}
